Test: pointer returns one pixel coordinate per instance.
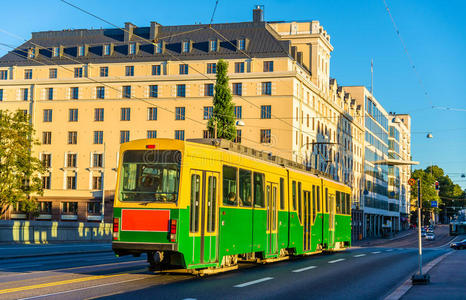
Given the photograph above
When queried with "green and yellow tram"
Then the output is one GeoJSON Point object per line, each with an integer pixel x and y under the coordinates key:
{"type": "Point", "coordinates": [202, 205]}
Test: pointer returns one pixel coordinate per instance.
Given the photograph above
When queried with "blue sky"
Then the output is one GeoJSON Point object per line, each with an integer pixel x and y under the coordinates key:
{"type": "Point", "coordinates": [434, 32]}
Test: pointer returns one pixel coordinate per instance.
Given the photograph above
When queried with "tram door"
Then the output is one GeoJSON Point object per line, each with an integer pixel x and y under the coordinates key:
{"type": "Point", "coordinates": [272, 217]}
{"type": "Point", "coordinates": [331, 221]}
{"type": "Point", "coordinates": [307, 220]}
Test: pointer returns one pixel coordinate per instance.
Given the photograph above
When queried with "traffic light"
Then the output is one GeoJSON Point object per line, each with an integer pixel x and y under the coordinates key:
{"type": "Point", "coordinates": [437, 186]}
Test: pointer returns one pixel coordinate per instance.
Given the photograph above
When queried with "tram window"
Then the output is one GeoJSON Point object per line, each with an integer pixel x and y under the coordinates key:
{"type": "Point", "coordinates": [293, 188]}
{"type": "Point", "coordinates": [259, 190]}
{"type": "Point", "coordinates": [326, 200]}
{"type": "Point", "coordinates": [338, 201]}
{"type": "Point", "coordinates": [229, 186]}
{"type": "Point", "coordinates": [282, 193]}
{"type": "Point", "coordinates": [195, 199]}
{"type": "Point", "coordinates": [318, 198]}
{"type": "Point", "coordinates": [348, 204]}
{"type": "Point", "coordinates": [211, 203]}
{"type": "Point", "coordinates": [313, 203]}
{"type": "Point", "coordinates": [245, 188]}
{"type": "Point", "coordinates": [299, 200]}
{"type": "Point", "coordinates": [269, 201]}
{"type": "Point", "coordinates": [274, 208]}
{"type": "Point", "coordinates": [343, 203]}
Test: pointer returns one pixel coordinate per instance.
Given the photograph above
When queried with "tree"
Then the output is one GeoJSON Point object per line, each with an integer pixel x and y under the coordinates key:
{"type": "Point", "coordinates": [20, 172]}
{"type": "Point", "coordinates": [223, 112]}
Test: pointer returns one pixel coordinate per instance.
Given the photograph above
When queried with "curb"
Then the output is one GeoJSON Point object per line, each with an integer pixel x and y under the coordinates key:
{"type": "Point", "coordinates": [404, 288]}
{"type": "Point", "coordinates": [381, 241]}
{"type": "Point", "coordinates": [55, 254]}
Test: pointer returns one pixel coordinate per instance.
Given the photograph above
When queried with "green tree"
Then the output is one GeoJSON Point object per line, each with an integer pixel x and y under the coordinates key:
{"type": "Point", "coordinates": [223, 111]}
{"type": "Point", "coordinates": [20, 172]}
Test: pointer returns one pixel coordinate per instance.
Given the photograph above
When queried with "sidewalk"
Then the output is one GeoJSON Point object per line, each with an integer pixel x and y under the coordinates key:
{"type": "Point", "coordinates": [33, 250]}
{"type": "Point", "coordinates": [378, 241]}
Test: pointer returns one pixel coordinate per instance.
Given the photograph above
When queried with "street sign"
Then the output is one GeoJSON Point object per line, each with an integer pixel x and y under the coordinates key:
{"type": "Point", "coordinates": [433, 203]}
{"type": "Point", "coordinates": [411, 181]}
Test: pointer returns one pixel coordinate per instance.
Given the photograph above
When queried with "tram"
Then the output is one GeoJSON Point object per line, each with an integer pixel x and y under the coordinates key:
{"type": "Point", "coordinates": [203, 205]}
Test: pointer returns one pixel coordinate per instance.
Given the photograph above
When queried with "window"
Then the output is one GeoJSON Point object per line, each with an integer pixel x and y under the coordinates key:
{"type": "Point", "coordinates": [94, 207]}
{"type": "Point", "coordinates": [266, 111]}
{"type": "Point", "coordinates": [97, 160]}
{"type": "Point", "coordinates": [55, 51]}
{"type": "Point", "coordinates": [153, 91]}
{"type": "Point", "coordinates": [179, 113]}
{"type": "Point", "coordinates": [152, 113]}
{"type": "Point", "coordinates": [239, 112]}
{"type": "Point", "coordinates": [282, 193]}
{"type": "Point", "coordinates": [151, 134]}
{"type": "Point", "coordinates": [74, 93]}
{"type": "Point", "coordinates": [229, 186]}
{"type": "Point", "coordinates": [208, 89]}
{"type": "Point", "coordinates": [159, 48]}
{"type": "Point", "coordinates": [239, 67]}
{"type": "Point", "coordinates": [52, 73]}
{"type": "Point", "coordinates": [156, 70]}
{"type": "Point", "coordinates": [72, 137]}
{"type": "Point", "coordinates": [212, 68]}
{"type": "Point", "coordinates": [73, 115]}
{"type": "Point", "coordinates": [238, 136]}
{"type": "Point", "coordinates": [100, 92]}
{"type": "Point", "coordinates": [78, 72]}
{"type": "Point", "coordinates": [185, 47]}
{"type": "Point", "coordinates": [103, 71]}
{"type": "Point", "coordinates": [181, 90]}
{"type": "Point", "coordinates": [266, 88]}
{"type": "Point", "coordinates": [299, 201]}
{"type": "Point", "coordinates": [179, 135]}
{"type": "Point", "coordinates": [81, 51]}
{"type": "Point", "coordinates": [245, 188]}
{"type": "Point", "coordinates": [1, 94]}
{"type": "Point", "coordinates": [266, 136]}
{"type": "Point", "coordinates": [127, 91]}
{"type": "Point", "coordinates": [96, 183]}
{"type": "Point", "coordinates": [71, 159]}
{"type": "Point", "coordinates": [46, 186]}
{"type": "Point", "coordinates": [46, 137]}
{"type": "Point", "coordinates": [107, 49]}
{"type": "Point", "coordinates": [211, 203]}
{"type": "Point", "coordinates": [25, 94]}
{"type": "Point", "coordinates": [268, 66]}
{"type": "Point", "coordinates": [98, 137]}
{"type": "Point", "coordinates": [259, 199]}
{"type": "Point", "coordinates": [47, 115]}
{"type": "Point", "coordinates": [32, 53]}
{"type": "Point", "coordinates": [208, 110]}
{"type": "Point", "coordinates": [184, 69]}
{"type": "Point", "coordinates": [28, 74]}
{"type": "Point", "coordinates": [129, 71]}
{"type": "Point", "coordinates": [46, 160]}
{"type": "Point", "coordinates": [207, 134]}
{"type": "Point", "coordinates": [195, 202]}
{"type": "Point", "coordinates": [124, 136]}
{"type": "Point", "coordinates": [242, 44]}
{"type": "Point", "coordinates": [3, 74]}
{"type": "Point", "coordinates": [49, 92]}
{"type": "Point", "coordinates": [125, 114]}
{"type": "Point", "coordinates": [213, 45]}
{"type": "Point", "coordinates": [98, 114]}
{"type": "Point", "coordinates": [132, 48]}
{"type": "Point", "coordinates": [237, 89]}
{"type": "Point", "coordinates": [45, 207]}
{"type": "Point", "coordinates": [70, 207]}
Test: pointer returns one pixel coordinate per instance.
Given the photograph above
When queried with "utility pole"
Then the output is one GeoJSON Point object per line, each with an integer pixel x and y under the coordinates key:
{"type": "Point", "coordinates": [103, 187]}
{"type": "Point", "coordinates": [372, 77]}
{"type": "Point", "coordinates": [419, 278]}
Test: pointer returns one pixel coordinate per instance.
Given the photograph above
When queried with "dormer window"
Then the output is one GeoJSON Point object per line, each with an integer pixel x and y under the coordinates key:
{"type": "Point", "coordinates": [81, 51]}
{"type": "Point", "coordinates": [32, 53]}
{"type": "Point", "coordinates": [242, 44]}
{"type": "Point", "coordinates": [158, 47]}
{"type": "Point", "coordinates": [213, 45]}
{"type": "Point", "coordinates": [185, 47]}
{"type": "Point", "coordinates": [107, 49]}
{"type": "Point", "coordinates": [56, 51]}
{"type": "Point", "coordinates": [132, 48]}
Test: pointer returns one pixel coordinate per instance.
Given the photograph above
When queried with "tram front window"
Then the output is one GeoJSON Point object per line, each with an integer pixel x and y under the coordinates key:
{"type": "Point", "coordinates": [150, 176]}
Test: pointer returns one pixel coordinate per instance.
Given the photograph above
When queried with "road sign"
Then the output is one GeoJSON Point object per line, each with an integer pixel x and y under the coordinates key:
{"type": "Point", "coordinates": [433, 203]}
{"type": "Point", "coordinates": [411, 181]}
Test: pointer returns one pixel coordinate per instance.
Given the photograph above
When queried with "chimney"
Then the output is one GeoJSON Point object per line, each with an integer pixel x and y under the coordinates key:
{"type": "Point", "coordinates": [154, 31]}
{"type": "Point", "coordinates": [129, 31]}
{"type": "Point", "coordinates": [258, 14]}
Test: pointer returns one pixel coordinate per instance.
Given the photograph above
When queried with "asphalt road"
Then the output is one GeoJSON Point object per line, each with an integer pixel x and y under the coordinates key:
{"type": "Point", "coordinates": [362, 273]}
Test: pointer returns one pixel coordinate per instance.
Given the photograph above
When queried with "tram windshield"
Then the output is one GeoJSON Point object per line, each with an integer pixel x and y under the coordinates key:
{"type": "Point", "coordinates": [150, 176]}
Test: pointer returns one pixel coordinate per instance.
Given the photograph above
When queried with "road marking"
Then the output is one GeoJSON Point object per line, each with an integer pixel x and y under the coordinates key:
{"type": "Point", "coordinates": [69, 281]}
{"type": "Point", "coordinates": [389, 250]}
{"type": "Point", "coordinates": [375, 252]}
{"type": "Point", "coordinates": [359, 255]}
{"type": "Point", "coordinates": [336, 260]}
{"type": "Point", "coordinates": [81, 289]}
{"type": "Point", "coordinates": [450, 241]}
{"type": "Point", "coordinates": [253, 282]}
{"type": "Point", "coordinates": [304, 269]}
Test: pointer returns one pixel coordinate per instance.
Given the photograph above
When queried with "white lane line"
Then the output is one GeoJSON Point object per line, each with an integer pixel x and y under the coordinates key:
{"type": "Point", "coordinates": [304, 269]}
{"type": "Point", "coordinates": [253, 282]}
{"type": "Point", "coordinates": [376, 252]}
{"type": "Point", "coordinates": [360, 255]}
{"type": "Point", "coordinates": [447, 244]}
{"type": "Point", "coordinates": [336, 260]}
{"type": "Point", "coordinates": [389, 250]}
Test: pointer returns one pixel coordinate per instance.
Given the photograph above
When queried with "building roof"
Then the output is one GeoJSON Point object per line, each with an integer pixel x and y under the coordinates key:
{"type": "Point", "coordinates": [261, 43]}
